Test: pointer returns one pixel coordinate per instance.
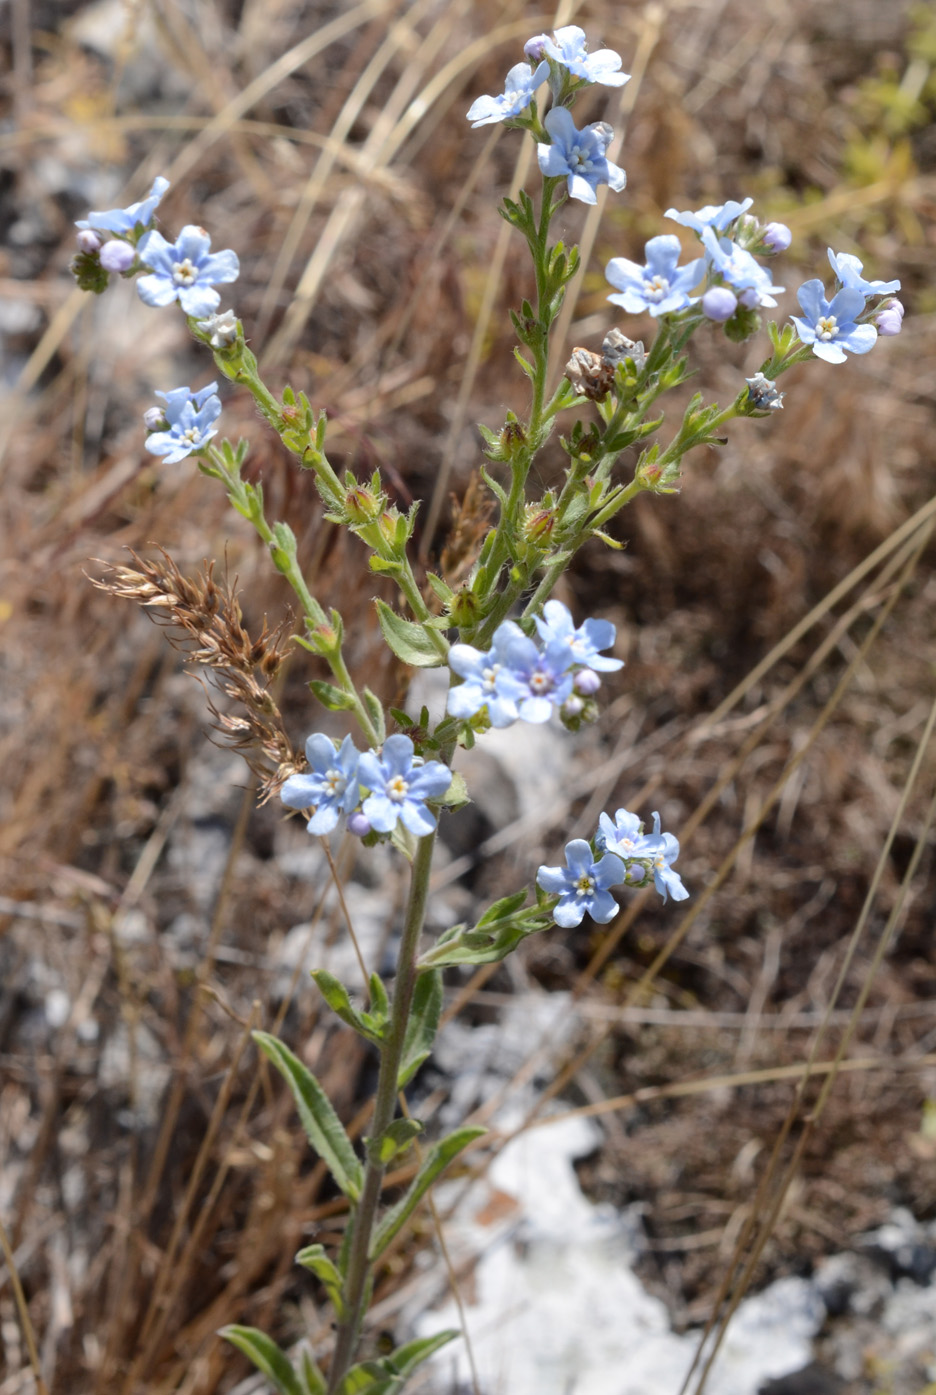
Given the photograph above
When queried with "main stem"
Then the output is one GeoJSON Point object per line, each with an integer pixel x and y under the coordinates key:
{"type": "Point", "coordinates": [384, 1109]}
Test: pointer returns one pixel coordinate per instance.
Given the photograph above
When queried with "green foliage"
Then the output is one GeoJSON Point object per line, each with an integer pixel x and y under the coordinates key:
{"type": "Point", "coordinates": [271, 1360]}
{"type": "Point", "coordinates": [367, 1024]}
{"type": "Point", "coordinates": [408, 639]}
{"type": "Point", "coordinates": [434, 1164]}
{"type": "Point", "coordinates": [421, 1026]}
{"type": "Point", "coordinates": [314, 1258]}
{"type": "Point", "coordinates": [324, 1129]}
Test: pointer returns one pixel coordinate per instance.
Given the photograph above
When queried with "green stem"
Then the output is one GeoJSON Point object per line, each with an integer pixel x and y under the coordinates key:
{"type": "Point", "coordinates": [365, 1213]}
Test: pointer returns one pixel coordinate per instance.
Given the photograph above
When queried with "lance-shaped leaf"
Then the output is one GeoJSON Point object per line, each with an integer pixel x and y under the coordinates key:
{"type": "Point", "coordinates": [394, 1140]}
{"type": "Point", "coordinates": [406, 1358]}
{"type": "Point", "coordinates": [331, 697]}
{"type": "Point", "coordinates": [434, 1164]}
{"type": "Point", "coordinates": [312, 1378]}
{"type": "Point", "coordinates": [314, 1258]}
{"type": "Point", "coordinates": [370, 1378]}
{"type": "Point", "coordinates": [422, 1025]}
{"type": "Point", "coordinates": [266, 1356]}
{"type": "Point", "coordinates": [338, 999]}
{"type": "Point", "coordinates": [408, 640]}
{"type": "Point", "coordinates": [376, 713]}
{"type": "Point", "coordinates": [324, 1129]}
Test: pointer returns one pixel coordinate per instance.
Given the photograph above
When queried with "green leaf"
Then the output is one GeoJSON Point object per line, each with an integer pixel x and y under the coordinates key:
{"type": "Point", "coordinates": [506, 906]}
{"type": "Point", "coordinates": [422, 1025]}
{"type": "Point", "coordinates": [395, 1139]}
{"type": "Point", "coordinates": [374, 709]}
{"type": "Point", "coordinates": [314, 1258]}
{"type": "Point", "coordinates": [525, 364]}
{"type": "Point", "coordinates": [380, 1003]}
{"type": "Point", "coordinates": [383, 566]}
{"type": "Point", "coordinates": [434, 1164]}
{"type": "Point", "coordinates": [406, 1358]}
{"type": "Point", "coordinates": [440, 587]}
{"type": "Point", "coordinates": [369, 1378]}
{"type": "Point", "coordinates": [324, 1129]}
{"type": "Point", "coordinates": [456, 796]}
{"type": "Point", "coordinates": [407, 638]}
{"type": "Point", "coordinates": [328, 695]}
{"type": "Point", "coordinates": [339, 1000]}
{"type": "Point", "coordinates": [315, 1383]}
{"type": "Point", "coordinates": [266, 1356]}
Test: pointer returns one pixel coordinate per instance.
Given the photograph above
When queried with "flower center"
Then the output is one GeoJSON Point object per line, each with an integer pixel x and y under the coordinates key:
{"type": "Point", "coordinates": [489, 677]}
{"type": "Point", "coordinates": [397, 789]}
{"type": "Point", "coordinates": [541, 683]}
{"type": "Point", "coordinates": [585, 885]}
{"type": "Point", "coordinates": [193, 435]}
{"type": "Point", "coordinates": [826, 327]}
{"type": "Point", "coordinates": [657, 288]}
{"type": "Point", "coordinates": [334, 783]}
{"type": "Point", "coordinates": [184, 273]}
{"type": "Point", "coordinates": [579, 158]}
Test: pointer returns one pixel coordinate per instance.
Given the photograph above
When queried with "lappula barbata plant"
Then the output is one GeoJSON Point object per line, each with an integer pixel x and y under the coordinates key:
{"type": "Point", "coordinates": [512, 654]}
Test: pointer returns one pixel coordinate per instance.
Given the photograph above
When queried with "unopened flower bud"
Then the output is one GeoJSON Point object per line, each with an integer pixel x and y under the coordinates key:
{"type": "Point", "coordinates": [117, 255]}
{"type": "Point", "coordinates": [464, 608]}
{"type": "Point", "coordinates": [535, 48]}
{"type": "Point", "coordinates": [586, 682]}
{"type": "Point", "coordinates": [776, 237]}
{"type": "Point", "coordinates": [889, 318]}
{"type": "Point", "coordinates": [154, 419]}
{"type": "Point", "coordinates": [361, 505]}
{"type": "Point", "coordinates": [88, 240]}
{"type": "Point", "coordinates": [221, 329]}
{"type": "Point", "coordinates": [719, 304]}
{"type": "Point", "coordinates": [538, 524]}
{"type": "Point", "coordinates": [359, 824]}
{"type": "Point", "coordinates": [573, 706]}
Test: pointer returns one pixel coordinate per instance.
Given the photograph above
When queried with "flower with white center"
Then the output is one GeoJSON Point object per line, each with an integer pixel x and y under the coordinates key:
{"type": "Point", "coordinates": [522, 82]}
{"type": "Point", "coordinates": [661, 287]}
{"type": "Point", "coordinates": [330, 787]}
{"type": "Point", "coordinates": [624, 836]}
{"type": "Point", "coordinates": [488, 681]}
{"type": "Point", "coordinates": [583, 644]}
{"type": "Point", "coordinates": [830, 326]}
{"type": "Point", "coordinates": [663, 850]}
{"type": "Point", "coordinates": [579, 156]}
{"type": "Point", "coordinates": [185, 270]}
{"type": "Point", "coordinates": [568, 48]}
{"type": "Point", "coordinates": [718, 216]}
{"type": "Point", "coordinates": [127, 220]}
{"type": "Point", "coordinates": [848, 270]}
{"type": "Point", "coordinates": [188, 423]}
{"type": "Point", "coordinates": [582, 886]}
{"type": "Point", "coordinates": [399, 787]}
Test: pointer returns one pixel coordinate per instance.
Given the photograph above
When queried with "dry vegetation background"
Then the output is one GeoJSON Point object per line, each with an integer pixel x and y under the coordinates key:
{"type": "Point", "coordinates": [151, 1182]}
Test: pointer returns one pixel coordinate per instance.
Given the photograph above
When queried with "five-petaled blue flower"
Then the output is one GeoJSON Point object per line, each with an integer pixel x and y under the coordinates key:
{"type": "Point", "coordinates": [582, 886]}
{"type": "Point", "coordinates": [399, 788]}
{"type": "Point", "coordinates": [585, 643]}
{"type": "Point", "coordinates": [661, 287]}
{"type": "Point", "coordinates": [848, 270]}
{"type": "Point", "coordinates": [717, 216]}
{"type": "Point", "coordinates": [740, 270]}
{"type": "Point", "coordinates": [663, 850]}
{"type": "Point", "coordinates": [184, 270]}
{"type": "Point", "coordinates": [188, 417]}
{"type": "Point", "coordinates": [330, 787]}
{"type": "Point", "coordinates": [580, 155]}
{"type": "Point", "coordinates": [830, 326]}
{"type": "Point", "coordinates": [125, 220]}
{"type": "Point", "coordinates": [568, 47]}
{"type": "Point", "coordinates": [543, 674]}
{"type": "Point", "coordinates": [489, 681]}
{"type": "Point", "coordinates": [624, 836]}
{"type": "Point", "coordinates": [522, 82]}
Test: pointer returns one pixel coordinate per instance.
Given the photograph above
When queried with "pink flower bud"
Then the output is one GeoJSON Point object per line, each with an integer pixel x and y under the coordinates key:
{"type": "Point", "coordinates": [889, 318]}
{"type": "Point", "coordinates": [586, 682]}
{"type": "Point", "coordinates": [776, 237]}
{"type": "Point", "coordinates": [88, 240]}
{"type": "Point", "coordinates": [359, 824]}
{"type": "Point", "coordinates": [117, 255]}
{"type": "Point", "coordinates": [154, 419]}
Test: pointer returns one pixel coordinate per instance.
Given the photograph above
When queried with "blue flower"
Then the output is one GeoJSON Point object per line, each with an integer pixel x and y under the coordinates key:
{"type": "Point", "coordinates": [624, 837]}
{"type": "Point", "coordinates": [184, 270]}
{"type": "Point", "coordinates": [188, 419]}
{"type": "Point", "coordinates": [399, 787]}
{"type": "Point", "coordinates": [848, 270]}
{"type": "Point", "coordinates": [763, 393]}
{"type": "Point", "coordinates": [584, 644]}
{"type": "Point", "coordinates": [580, 155]}
{"type": "Point", "coordinates": [544, 675]}
{"type": "Point", "coordinates": [489, 681]}
{"type": "Point", "coordinates": [522, 82]}
{"type": "Point", "coordinates": [582, 886]}
{"type": "Point", "coordinates": [661, 287]}
{"type": "Point", "coordinates": [717, 216]}
{"type": "Point", "coordinates": [663, 850]}
{"type": "Point", "coordinates": [568, 47]}
{"type": "Point", "coordinates": [740, 270]}
{"type": "Point", "coordinates": [830, 326]}
{"type": "Point", "coordinates": [126, 220]}
{"type": "Point", "coordinates": [330, 787]}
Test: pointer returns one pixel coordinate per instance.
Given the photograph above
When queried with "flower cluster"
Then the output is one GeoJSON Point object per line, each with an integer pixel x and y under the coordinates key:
{"type": "Point", "coordinates": [516, 679]}
{"type": "Point", "coordinates": [622, 854]}
{"type": "Point", "coordinates": [185, 424]}
{"type": "Point", "coordinates": [844, 323]}
{"type": "Point", "coordinates": [374, 790]}
{"type": "Point", "coordinates": [578, 156]}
